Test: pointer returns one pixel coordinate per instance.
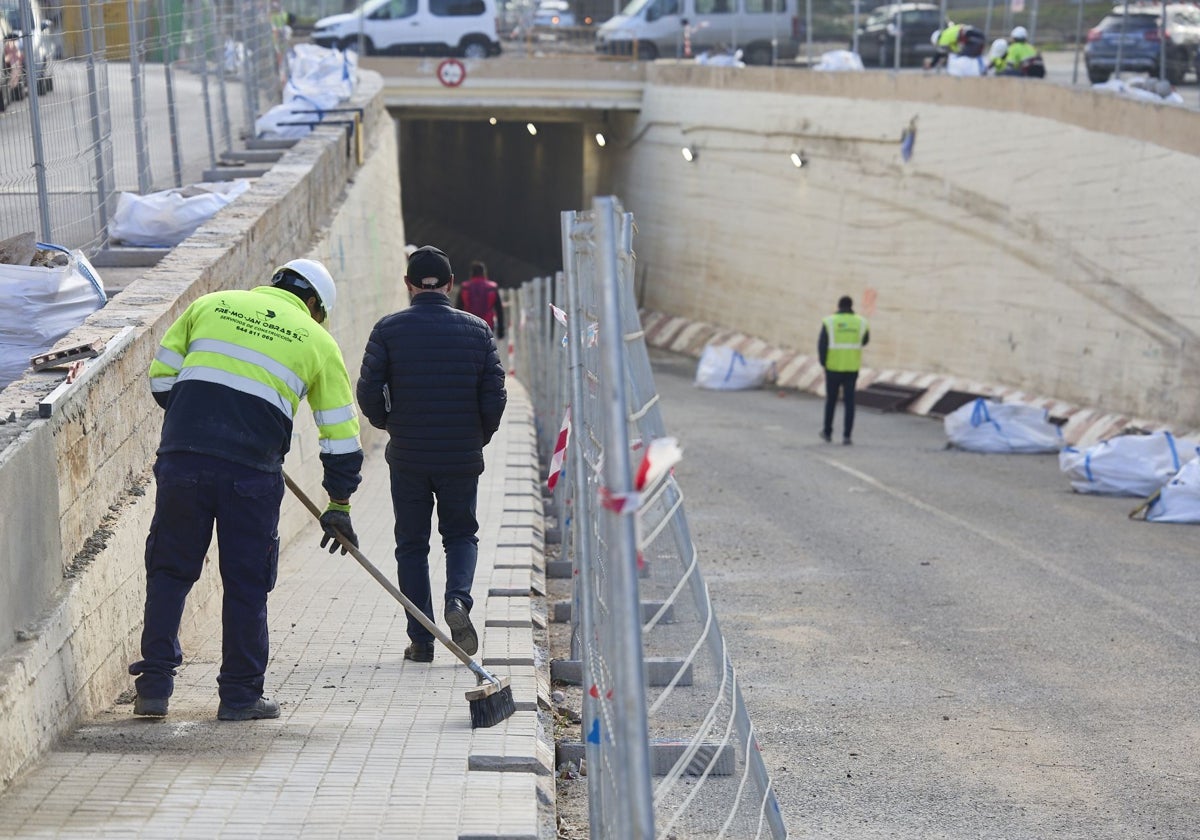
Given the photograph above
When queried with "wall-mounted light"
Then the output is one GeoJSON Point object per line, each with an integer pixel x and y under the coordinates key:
{"type": "Point", "coordinates": [799, 160]}
{"type": "Point", "coordinates": [492, 120]}
{"type": "Point", "coordinates": [600, 141]}
{"type": "Point", "coordinates": [689, 154]}
{"type": "Point", "coordinates": [531, 128]}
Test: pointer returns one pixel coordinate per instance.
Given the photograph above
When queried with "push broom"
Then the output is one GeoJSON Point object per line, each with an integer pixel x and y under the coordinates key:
{"type": "Point", "coordinates": [491, 701]}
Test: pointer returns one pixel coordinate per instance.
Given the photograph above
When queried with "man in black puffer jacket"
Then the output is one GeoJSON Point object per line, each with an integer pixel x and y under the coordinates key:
{"type": "Point", "coordinates": [432, 377]}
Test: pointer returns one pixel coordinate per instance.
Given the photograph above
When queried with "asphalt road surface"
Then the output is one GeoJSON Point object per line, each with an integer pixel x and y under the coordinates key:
{"type": "Point", "coordinates": [941, 644]}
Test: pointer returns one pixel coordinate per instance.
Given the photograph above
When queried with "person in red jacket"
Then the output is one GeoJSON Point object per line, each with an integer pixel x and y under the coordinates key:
{"type": "Point", "coordinates": [481, 297]}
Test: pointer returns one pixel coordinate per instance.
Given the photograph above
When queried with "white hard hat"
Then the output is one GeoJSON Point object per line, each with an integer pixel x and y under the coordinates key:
{"type": "Point", "coordinates": [999, 48]}
{"type": "Point", "coordinates": [935, 37]}
{"type": "Point", "coordinates": [316, 275]}
{"type": "Point", "coordinates": [1019, 33]}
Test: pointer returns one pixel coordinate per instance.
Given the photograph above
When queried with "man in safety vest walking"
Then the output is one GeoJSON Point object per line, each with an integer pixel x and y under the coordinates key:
{"type": "Point", "coordinates": [839, 347]}
{"type": "Point", "coordinates": [231, 373]}
{"type": "Point", "coordinates": [481, 297]}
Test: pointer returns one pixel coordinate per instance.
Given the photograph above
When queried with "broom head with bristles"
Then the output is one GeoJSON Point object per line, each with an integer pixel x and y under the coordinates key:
{"type": "Point", "coordinates": [491, 702]}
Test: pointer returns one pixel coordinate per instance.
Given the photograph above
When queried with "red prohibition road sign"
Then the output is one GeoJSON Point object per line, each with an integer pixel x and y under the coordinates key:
{"type": "Point", "coordinates": [451, 72]}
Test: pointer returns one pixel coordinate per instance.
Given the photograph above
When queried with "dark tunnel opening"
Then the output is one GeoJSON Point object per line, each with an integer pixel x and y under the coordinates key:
{"type": "Point", "coordinates": [490, 192]}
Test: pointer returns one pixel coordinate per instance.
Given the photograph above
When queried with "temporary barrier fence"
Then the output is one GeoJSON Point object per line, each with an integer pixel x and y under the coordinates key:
{"type": "Point", "coordinates": [173, 83]}
{"type": "Point", "coordinates": [670, 747]}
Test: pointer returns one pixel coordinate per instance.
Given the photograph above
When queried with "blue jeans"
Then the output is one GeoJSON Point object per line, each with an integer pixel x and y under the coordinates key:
{"type": "Point", "coordinates": [413, 496]}
{"type": "Point", "coordinates": [194, 493]}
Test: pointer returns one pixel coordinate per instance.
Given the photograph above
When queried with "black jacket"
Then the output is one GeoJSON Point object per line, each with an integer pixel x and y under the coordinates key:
{"type": "Point", "coordinates": [439, 368]}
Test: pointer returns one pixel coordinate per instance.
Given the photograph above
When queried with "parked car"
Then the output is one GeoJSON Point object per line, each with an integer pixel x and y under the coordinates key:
{"type": "Point", "coordinates": [765, 31]}
{"type": "Point", "coordinates": [12, 66]}
{"type": "Point", "coordinates": [415, 27]}
{"type": "Point", "coordinates": [1138, 37]}
{"type": "Point", "coordinates": [41, 61]}
{"type": "Point", "coordinates": [553, 14]}
{"type": "Point", "coordinates": [915, 23]}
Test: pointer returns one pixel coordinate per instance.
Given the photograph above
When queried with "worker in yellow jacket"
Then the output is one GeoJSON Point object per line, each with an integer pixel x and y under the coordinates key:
{"type": "Point", "coordinates": [230, 373]}
{"type": "Point", "coordinates": [839, 348]}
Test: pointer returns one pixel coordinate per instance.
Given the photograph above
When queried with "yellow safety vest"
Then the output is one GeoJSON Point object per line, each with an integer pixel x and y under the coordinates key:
{"type": "Point", "coordinates": [264, 346]}
{"type": "Point", "coordinates": [845, 332]}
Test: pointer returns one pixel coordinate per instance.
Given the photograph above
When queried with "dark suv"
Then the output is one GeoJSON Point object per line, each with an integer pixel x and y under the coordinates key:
{"type": "Point", "coordinates": [1138, 38]}
{"type": "Point", "coordinates": [915, 22]}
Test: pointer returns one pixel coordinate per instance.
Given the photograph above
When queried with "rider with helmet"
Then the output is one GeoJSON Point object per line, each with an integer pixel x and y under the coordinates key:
{"type": "Point", "coordinates": [230, 373]}
{"type": "Point", "coordinates": [1022, 58]}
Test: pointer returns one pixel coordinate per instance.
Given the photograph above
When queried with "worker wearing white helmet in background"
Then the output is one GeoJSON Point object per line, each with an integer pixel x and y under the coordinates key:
{"type": "Point", "coordinates": [996, 54]}
{"type": "Point", "coordinates": [1021, 55]}
{"type": "Point", "coordinates": [230, 374]}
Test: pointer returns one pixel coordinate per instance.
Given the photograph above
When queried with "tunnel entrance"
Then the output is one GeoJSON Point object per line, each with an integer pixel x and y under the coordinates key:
{"type": "Point", "coordinates": [491, 192]}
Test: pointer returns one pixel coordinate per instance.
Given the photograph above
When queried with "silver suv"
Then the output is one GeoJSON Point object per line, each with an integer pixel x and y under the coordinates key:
{"type": "Point", "coordinates": [1137, 40]}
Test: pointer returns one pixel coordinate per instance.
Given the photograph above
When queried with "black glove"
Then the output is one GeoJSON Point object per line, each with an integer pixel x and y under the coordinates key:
{"type": "Point", "coordinates": [334, 519]}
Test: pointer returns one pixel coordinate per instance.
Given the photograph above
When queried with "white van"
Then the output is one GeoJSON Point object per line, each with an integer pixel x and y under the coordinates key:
{"type": "Point", "coordinates": [415, 27]}
{"type": "Point", "coordinates": [766, 31]}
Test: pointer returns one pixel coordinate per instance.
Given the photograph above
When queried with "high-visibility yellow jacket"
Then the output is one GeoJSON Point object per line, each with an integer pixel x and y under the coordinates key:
{"type": "Point", "coordinates": [949, 37]}
{"type": "Point", "coordinates": [844, 335]}
{"type": "Point", "coordinates": [231, 373]}
{"type": "Point", "coordinates": [1018, 51]}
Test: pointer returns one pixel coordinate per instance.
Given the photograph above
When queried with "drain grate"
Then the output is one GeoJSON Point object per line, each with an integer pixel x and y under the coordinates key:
{"type": "Point", "coordinates": [886, 396]}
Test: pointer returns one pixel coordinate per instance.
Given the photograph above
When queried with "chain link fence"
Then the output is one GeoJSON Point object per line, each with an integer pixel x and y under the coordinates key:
{"type": "Point", "coordinates": [172, 84]}
{"type": "Point", "coordinates": [670, 748]}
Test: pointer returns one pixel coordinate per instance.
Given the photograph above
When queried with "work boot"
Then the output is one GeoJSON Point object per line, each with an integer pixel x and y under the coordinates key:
{"type": "Point", "coordinates": [846, 441]}
{"type": "Point", "coordinates": [419, 652]}
{"type": "Point", "coordinates": [262, 709]}
{"type": "Point", "coordinates": [461, 629]}
{"type": "Point", "coordinates": [827, 437]}
{"type": "Point", "coordinates": [150, 706]}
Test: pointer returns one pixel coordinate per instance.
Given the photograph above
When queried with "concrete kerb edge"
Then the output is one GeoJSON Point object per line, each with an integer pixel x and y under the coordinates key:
{"type": "Point", "coordinates": [71, 661]}
{"type": "Point", "coordinates": [797, 371]}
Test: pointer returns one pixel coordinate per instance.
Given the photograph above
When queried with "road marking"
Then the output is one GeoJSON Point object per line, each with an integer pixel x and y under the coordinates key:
{"type": "Point", "coordinates": [1037, 559]}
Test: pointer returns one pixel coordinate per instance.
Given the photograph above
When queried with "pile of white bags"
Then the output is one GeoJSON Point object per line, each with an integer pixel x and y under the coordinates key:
{"type": "Point", "coordinates": [987, 426]}
{"type": "Point", "coordinates": [318, 79]}
{"type": "Point", "coordinates": [725, 369]}
{"type": "Point", "coordinates": [1179, 499]}
{"type": "Point", "coordinates": [38, 306]}
{"type": "Point", "coordinates": [164, 219]}
{"type": "Point", "coordinates": [839, 61]}
{"type": "Point", "coordinates": [1126, 465]}
{"type": "Point", "coordinates": [965, 65]}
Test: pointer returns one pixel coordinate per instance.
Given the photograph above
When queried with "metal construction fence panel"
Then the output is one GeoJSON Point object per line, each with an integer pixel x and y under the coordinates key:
{"type": "Point", "coordinates": [670, 747]}
{"type": "Point", "coordinates": [169, 84]}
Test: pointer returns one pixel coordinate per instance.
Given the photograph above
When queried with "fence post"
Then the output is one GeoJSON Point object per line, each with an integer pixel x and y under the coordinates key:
{"type": "Point", "coordinates": [35, 113]}
{"type": "Point", "coordinates": [102, 176]}
{"type": "Point", "coordinates": [219, 28]}
{"type": "Point", "coordinates": [136, 46]}
{"type": "Point", "coordinates": [636, 819]}
{"type": "Point", "coordinates": [197, 26]}
{"type": "Point", "coordinates": [164, 45]}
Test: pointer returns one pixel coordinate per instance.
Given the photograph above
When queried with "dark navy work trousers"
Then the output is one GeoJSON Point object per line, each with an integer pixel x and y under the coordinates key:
{"type": "Point", "coordinates": [194, 493]}
{"type": "Point", "coordinates": [845, 382]}
{"type": "Point", "coordinates": [413, 497]}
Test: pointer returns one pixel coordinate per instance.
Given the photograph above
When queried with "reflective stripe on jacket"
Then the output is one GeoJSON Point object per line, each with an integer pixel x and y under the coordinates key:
{"type": "Point", "coordinates": [845, 331]}
{"type": "Point", "coordinates": [231, 373]}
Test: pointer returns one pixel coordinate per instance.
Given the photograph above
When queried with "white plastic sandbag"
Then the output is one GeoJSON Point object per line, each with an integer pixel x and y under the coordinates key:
{"type": "Point", "coordinates": [164, 219]}
{"type": "Point", "coordinates": [965, 65]}
{"type": "Point", "coordinates": [1179, 498]}
{"type": "Point", "coordinates": [38, 306]}
{"type": "Point", "coordinates": [313, 69]}
{"type": "Point", "coordinates": [987, 426]}
{"type": "Point", "coordinates": [725, 369]}
{"type": "Point", "coordinates": [837, 61]}
{"type": "Point", "coordinates": [1126, 465]}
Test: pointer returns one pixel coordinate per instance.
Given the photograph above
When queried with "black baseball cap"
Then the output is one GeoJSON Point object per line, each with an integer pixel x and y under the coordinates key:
{"type": "Point", "coordinates": [429, 268]}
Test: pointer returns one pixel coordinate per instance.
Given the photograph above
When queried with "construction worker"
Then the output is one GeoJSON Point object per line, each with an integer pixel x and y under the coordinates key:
{"type": "Point", "coordinates": [230, 374]}
{"type": "Point", "coordinates": [431, 376]}
{"type": "Point", "coordinates": [481, 297]}
{"type": "Point", "coordinates": [839, 348]}
{"type": "Point", "coordinates": [1022, 58]}
{"type": "Point", "coordinates": [946, 41]}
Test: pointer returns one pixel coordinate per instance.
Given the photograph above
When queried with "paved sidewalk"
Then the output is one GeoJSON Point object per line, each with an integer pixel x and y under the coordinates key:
{"type": "Point", "coordinates": [368, 745]}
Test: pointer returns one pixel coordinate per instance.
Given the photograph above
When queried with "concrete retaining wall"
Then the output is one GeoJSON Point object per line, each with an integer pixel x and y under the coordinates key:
{"type": "Point", "coordinates": [1039, 238]}
{"type": "Point", "coordinates": [77, 487]}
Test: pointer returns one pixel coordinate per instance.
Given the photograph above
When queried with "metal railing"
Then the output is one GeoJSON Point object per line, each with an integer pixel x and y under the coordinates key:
{"type": "Point", "coordinates": [172, 84]}
{"type": "Point", "coordinates": [670, 748]}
